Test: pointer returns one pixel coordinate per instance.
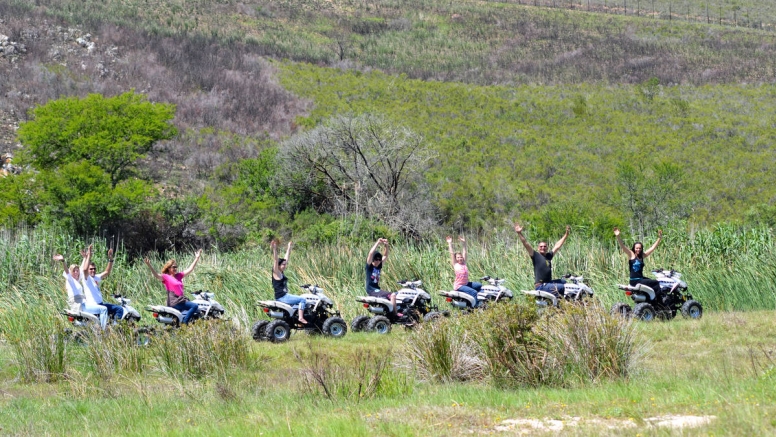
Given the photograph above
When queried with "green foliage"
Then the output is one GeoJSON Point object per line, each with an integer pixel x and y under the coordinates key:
{"type": "Point", "coordinates": [110, 133]}
{"type": "Point", "coordinates": [695, 153]}
{"type": "Point", "coordinates": [81, 197]}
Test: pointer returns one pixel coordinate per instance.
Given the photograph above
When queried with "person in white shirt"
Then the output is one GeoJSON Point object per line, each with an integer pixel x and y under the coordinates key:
{"type": "Point", "coordinates": [75, 291]}
{"type": "Point", "coordinates": [91, 282]}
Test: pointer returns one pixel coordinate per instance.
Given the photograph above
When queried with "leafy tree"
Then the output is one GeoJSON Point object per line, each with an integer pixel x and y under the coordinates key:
{"type": "Point", "coordinates": [110, 133]}
{"type": "Point", "coordinates": [81, 195]}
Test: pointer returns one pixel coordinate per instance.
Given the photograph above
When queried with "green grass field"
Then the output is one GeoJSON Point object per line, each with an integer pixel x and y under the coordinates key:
{"type": "Point", "coordinates": [720, 366]}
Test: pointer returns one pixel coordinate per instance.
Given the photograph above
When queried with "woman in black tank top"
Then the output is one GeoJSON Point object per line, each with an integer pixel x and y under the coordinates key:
{"type": "Point", "coordinates": [280, 282]}
{"type": "Point", "coordinates": [636, 256]}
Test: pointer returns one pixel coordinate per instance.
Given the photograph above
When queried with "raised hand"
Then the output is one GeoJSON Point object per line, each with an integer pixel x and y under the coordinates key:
{"type": "Point", "coordinates": [449, 239]}
{"type": "Point", "coordinates": [659, 233]}
{"type": "Point", "coordinates": [273, 244]}
{"type": "Point", "coordinates": [568, 229]}
{"type": "Point", "coordinates": [518, 228]}
{"type": "Point", "coordinates": [290, 245]}
{"type": "Point", "coordinates": [59, 257]}
{"type": "Point", "coordinates": [198, 253]}
{"type": "Point", "coordinates": [461, 239]}
{"type": "Point", "coordinates": [110, 253]}
{"type": "Point", "coordinates": [616, 232]}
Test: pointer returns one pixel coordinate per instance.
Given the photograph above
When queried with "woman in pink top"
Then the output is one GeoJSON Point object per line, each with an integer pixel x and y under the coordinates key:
{"type": "Point", "coordinates": [173, 282]}
{"type": "Point", "coordinates": [458, 259]}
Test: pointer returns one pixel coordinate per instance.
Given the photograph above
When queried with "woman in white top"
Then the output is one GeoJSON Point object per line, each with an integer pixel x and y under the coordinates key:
{"type": "Point", "coordinates": [75, 292]}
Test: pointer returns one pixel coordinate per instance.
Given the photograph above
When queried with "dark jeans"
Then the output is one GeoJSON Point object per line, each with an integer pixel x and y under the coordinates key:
{"type": "Point", "coordinates": [556, 287]}
{"type": "Point", "coordinates": [188, 309]}
{"type": "Point", "coordinates": [114, 311]}
{"type": "Point", "coordinates": [471, 288]}
{"type": "Point", "coordinates": [651, 283]}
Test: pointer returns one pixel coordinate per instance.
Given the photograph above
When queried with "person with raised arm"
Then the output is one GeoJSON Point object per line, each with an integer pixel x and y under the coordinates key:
{"type": "Point", "coordinates": [75, 291]}
{"type": "Point", "coordinates": [91, 282]}
{"type": "Point", "coordinates": [458, 260]}
{"type": "Point", "coordinates": [374, 267]}
{"type": "Point", "coordinates": [173, 283]}
{"type": "Point", "coordinates": [280, 281]}
{"type": "Point", "coordinates": [636, 255]}
{"type": "Point", "coordinates": [542, 263]}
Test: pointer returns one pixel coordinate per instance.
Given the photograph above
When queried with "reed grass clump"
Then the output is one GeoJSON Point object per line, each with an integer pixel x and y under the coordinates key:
{"type": "Point", "coordinates": [39, 344]}
{"type": "Point", "coordinates": [513, 345]}
{"type": "Point", "coordinates": [201, 349]}
{"type": "Point", "coordinates": [443, 351]}
{"type": "Point", "coordinates": [116, 351]}
{"type": "Point", "coordinates": [358, 375]}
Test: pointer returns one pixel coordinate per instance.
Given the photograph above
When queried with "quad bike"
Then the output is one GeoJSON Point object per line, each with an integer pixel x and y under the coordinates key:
{"type": "Point", "coordinates": [319, 312]}
{"type": "Point", "coordinates": [574, 290]}
{"type": "Point", "coordinates": [674, 297]}
{"type": "Point", "coordinates": [412, 302]}
{"type": "Point", "coordinates": [85, 323]}
{"type": "Point", "coordinates": [491, 292]}
{"type": "Point", "coordinates": [208, 308]}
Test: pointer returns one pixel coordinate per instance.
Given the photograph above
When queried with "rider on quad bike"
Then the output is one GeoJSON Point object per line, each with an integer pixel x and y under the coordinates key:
{"type": "Point", "coordinates": [458, 260]}
{"type": "Point", "coordinates": [542, 263]}
{"type": "Point", "coordinates": [636, 256]}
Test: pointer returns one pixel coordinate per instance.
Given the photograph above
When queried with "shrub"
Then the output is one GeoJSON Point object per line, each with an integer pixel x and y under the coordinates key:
{"type": "Point", "coordinates": [514, 345]}
{"type": "Point", "coordinates": [116, 351]}
{"type": "Point", "coordinates": [444, 352]}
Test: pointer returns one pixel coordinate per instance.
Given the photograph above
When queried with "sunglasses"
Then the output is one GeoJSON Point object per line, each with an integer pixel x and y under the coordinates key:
{"type": "Point", "coordinates": [173, 267]}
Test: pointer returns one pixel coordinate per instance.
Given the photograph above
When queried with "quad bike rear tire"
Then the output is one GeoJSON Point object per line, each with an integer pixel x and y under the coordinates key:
{"type": "Point", "coordinates": [621, 309]}
{"type": "Point", "coordinates": [692, 309]}
{"type": "Point", "coordinates": [645, 312]}
{"type": "Point", "coordinates": [360, 323]}
{"type": "Point", "coordinates": [335, 327]}
{"type": "Point", "coordinates": [259, 330]}
{"type": "Point", "coordinates": [379, 324]}
{"type": "Point", "coordinates": [278, 331]}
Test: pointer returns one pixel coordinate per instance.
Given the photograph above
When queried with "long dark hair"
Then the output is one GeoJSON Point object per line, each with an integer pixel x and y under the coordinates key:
{"type": "Point", "coordinates": [640, 255]}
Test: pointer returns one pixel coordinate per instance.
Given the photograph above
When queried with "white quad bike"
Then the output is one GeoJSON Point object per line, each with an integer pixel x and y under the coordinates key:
{"type": "Point", "coordinates": [208, 308]}
{"type": "Point", "coordinates": [574, 290]}
{"type": "Point", "coordinates": [319, 312]}
{"type": "Point", "coordinates": [81, 319]}
{"type": "Point", "coordinates": [492, 292]}
{"type": "Point", "coordinates": [412, 302]}
{"type": "Point", "coordinates": [649, 306]}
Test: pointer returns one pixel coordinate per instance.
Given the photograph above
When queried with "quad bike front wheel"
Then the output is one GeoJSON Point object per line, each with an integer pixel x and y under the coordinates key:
{"type": "Point", "coordinates": [621, 309]}
{"type": "Point", "coordinates": [335, 327]}
{"type": "Point", "coordinates": [278, 331]}
{"type": "Point", "coordinates": [645, 312]}
{"type": "Point", "coordinates": [692, 309]}
{"type": "Point", "coordinates": [379, 324]}
{"type": "Point", "coordinates": [259, 330]}
{"type": "Point", "coordinates": [360, 323]}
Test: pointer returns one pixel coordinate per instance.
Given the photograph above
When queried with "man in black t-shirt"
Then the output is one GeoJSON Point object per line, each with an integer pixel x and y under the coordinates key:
{"type": "Point", "coordinates": [542, 262]}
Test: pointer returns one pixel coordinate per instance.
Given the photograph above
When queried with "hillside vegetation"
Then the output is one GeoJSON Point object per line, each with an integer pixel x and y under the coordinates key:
{"type": "Point", "coordinates": [622, 120]}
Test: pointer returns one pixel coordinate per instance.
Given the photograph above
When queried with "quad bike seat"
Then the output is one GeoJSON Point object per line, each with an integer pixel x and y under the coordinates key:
{"type": "Point", "coordinates": [461, 295]}
{"type": "Point", "coordinates": [166, 310]}
{"type": "Point", "coordinates": [78, 314]}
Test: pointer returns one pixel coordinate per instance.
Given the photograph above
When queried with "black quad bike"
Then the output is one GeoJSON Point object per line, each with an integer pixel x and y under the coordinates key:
{"type": "Point", "coordinates": [649, 306]}
{"type": "Point", "coordinates": [319, 312]}
{"type": "Point", "coordinates": [412, 302]}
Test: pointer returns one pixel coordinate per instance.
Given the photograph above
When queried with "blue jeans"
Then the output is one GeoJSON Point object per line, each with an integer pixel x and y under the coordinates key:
{"type": "Point", "coordinates": [556, 287]}
{"type": "Point", "coordinates": [471, 288]}
{"type": "Point", "coordinates": [188, 309]}
{"type": "Point", "coordinates": [97, 310]}
{"type": "Point", "coordinates": [293, 300]}
{"type": "Point", "coordinates": [115, 311]}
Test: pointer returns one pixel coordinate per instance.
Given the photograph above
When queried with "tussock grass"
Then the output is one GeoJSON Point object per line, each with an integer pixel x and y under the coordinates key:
{"type": "Point", "coordinates": [513, 345]}
{"type": "Point", "coordinates": [39, 344]}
